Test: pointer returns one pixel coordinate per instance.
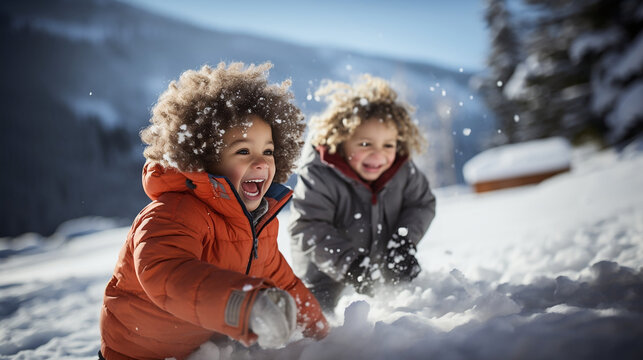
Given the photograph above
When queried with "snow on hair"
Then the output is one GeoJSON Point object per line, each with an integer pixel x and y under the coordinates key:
{"type": "Point", "coordinates": [190, 117]}
{"type": "Point", "coordinates": [350, 105]}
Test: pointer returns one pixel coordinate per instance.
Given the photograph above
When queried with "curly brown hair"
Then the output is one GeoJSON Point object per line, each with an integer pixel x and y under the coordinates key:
{"type": "Point", "coordinates": [190, 117]}
{"type": "Point", "coordinates": [368, 98]}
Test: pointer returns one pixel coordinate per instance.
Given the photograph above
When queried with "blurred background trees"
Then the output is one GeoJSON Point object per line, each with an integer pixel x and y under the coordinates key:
{"type": "Point", "coordinates": [565, 67]}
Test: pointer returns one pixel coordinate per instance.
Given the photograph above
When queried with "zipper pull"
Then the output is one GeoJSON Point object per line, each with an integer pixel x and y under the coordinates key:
{"type": "Point", "coordinates": [255, 244]}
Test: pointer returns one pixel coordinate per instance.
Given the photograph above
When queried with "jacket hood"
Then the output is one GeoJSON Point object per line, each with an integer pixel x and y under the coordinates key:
{"type": "Point", "coordinates": [216, 191]}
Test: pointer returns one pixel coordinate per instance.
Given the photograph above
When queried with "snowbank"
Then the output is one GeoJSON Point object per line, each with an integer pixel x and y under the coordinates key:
{"type": "Point", "coordinates": [549, 271]}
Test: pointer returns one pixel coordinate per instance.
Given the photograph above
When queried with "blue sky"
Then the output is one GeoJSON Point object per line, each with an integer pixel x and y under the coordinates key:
{"type": "Point", "coordinates": [447, 33]}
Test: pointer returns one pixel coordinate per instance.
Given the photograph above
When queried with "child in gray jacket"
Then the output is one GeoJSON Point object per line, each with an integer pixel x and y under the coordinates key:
{"type": "Point", "coordinates": [360, 205]}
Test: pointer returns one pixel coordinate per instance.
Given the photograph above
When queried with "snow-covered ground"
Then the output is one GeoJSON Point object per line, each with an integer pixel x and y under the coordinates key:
{"type": "Point", "coordinates": [551, 271]}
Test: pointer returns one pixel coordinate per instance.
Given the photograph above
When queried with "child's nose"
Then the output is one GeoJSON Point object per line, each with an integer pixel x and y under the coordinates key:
{"type": "Point", "coordinates": [379, 155]}
{"type": "Point", "coordinates": [260, 163]}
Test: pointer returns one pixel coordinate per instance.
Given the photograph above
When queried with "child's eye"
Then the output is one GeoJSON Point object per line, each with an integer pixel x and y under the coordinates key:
{"type": "Point", "coordinates": [243, 152]}
{"type": "Point", "coordinates": [269, 152]}
{"type": "Point", "coordinates": [364, 144]}
{"type": "Point", "coordinates": [390, 146]}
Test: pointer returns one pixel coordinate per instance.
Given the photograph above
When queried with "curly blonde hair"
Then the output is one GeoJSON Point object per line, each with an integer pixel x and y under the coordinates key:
{"type": "Point", "coordinates": [191, 116]}
{"type": "Point", "coordinates": [369, 98]}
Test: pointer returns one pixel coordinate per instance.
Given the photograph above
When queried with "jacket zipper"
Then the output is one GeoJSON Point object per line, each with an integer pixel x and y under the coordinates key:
{"type": "Point", "coordinates": [255, 234]}
{"type": "Point", "coordinates": [253, 251]}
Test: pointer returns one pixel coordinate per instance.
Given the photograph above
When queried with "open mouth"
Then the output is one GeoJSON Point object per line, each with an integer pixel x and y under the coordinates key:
{"type": "Point", "coordinates": [372, 168]}
{"type": "Point", "coordinates": [252, 188]}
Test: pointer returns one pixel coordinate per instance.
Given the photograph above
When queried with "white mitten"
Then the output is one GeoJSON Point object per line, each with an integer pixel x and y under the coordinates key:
{"type": "Point", "coordinates": [273, 317]}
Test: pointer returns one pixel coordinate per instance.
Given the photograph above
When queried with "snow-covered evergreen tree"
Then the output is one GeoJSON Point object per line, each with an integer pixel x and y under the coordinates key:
{"type": "Point", "coordinates": [579, 73]}
{"type": "Point", "coordinates": [552, 92]}
{"type": "Point", "coordinates": [502, 61]}
{"type": "Point", "coordinates": [614, 52]}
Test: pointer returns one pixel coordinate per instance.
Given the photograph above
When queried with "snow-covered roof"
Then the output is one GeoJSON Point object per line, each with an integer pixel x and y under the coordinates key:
{"type": "Point", "coordinates": [514, 160]}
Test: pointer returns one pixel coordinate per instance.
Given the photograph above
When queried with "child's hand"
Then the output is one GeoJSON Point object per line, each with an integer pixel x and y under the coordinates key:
{"type": "Point", "coordinates": [359, 276]}
{"type": "Point", "coordinates": [273, 317]}
{"type": "Point", "coordinates": [400, 263]}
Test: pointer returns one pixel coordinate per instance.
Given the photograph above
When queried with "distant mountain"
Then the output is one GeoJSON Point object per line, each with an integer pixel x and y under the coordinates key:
{"type": "Point", "coordinates": [80, 77]}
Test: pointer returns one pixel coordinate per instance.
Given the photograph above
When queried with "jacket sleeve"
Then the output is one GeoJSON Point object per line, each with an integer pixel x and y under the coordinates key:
{"type": "Point", "coordinates": [309, 313]}
{"type": "Point", "coordinates": [312, 228]}
{"type": "Point", "coordinates": [418, 207]}
{"type": "Point", "coordinates": [167, 250]}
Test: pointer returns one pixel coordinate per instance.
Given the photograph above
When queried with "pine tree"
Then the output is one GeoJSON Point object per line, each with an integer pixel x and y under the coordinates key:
{"type": "Point", "coordinates": [502, 61]}
{"type": "Point", "coordinates": [579, 70]}
{"type": "Point", "coordinates": [614, 51]}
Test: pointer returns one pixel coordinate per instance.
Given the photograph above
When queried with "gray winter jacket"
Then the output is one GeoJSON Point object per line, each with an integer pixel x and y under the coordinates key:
{"type": "Point", "coordinates": [337, 217]}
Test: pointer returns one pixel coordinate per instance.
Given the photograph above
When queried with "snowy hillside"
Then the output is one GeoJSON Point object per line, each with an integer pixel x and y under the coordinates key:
{"type": "Point", "coordinates": [82, 76]}
{"type": "Point", "coordinates": [551, 271]}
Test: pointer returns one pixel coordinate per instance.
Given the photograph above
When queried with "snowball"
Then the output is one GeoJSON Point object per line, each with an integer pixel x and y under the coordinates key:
{"type": "Point", "coordinates": [376, 274]}
{"type": "Point", "coordinates": [403, 231]}
{"type": "Point", "coordinates": [365, 262]}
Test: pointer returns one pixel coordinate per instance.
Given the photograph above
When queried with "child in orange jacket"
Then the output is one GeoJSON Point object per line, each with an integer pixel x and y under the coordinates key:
{"type": "Point", "coordinates": [201, 260]}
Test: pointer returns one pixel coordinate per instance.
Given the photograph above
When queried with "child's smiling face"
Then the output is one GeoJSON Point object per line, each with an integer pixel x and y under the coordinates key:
{"type": "Point", "coordinates": [371, 150]}
{"type": "Point", "coordinates": [247, 160]}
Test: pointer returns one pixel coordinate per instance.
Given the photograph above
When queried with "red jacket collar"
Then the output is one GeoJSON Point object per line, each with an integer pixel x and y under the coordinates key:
{"type": "Point", "coordinates": [338, 162]}
{"type": "Point", "coordinates": [215, 191]}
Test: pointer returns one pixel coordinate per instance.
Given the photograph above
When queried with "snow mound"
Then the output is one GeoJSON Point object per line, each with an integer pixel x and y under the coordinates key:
{"type": "Point", "coordinates": [545, 272]}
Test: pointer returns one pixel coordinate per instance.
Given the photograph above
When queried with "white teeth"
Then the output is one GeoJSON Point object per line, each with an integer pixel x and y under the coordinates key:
{"type": "Point", "coordinates": [252, 194]}
{"type": "Point", "coordinates": [257, 180]}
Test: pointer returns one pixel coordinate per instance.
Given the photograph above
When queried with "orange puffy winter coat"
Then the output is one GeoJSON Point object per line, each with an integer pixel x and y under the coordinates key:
{"type": "Point", "coordinates": [191, 268]}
